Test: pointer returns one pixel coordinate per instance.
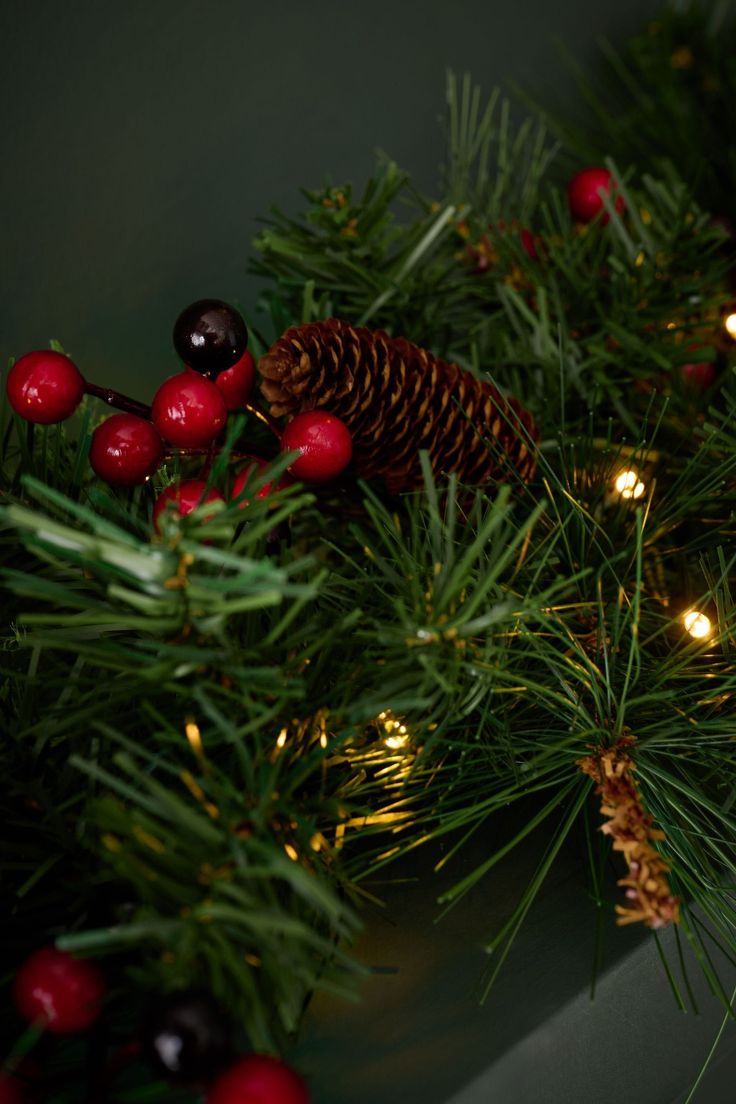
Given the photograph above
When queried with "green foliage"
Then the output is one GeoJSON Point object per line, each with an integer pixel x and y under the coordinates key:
{"type": "Point", "coordinates": [203, 766]}
{"type": "Point", "coordinates": [591, 328]}
{"type": "Point", "coordinates": [355, 259]}
{"type": "Point", "coordinates": [496, 276]}
{"type": "Point", "coordinates": [664, 99]}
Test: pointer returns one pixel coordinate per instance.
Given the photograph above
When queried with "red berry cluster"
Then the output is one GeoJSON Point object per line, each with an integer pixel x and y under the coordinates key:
{"type": "Point", "coordinates": [189, 411]}
{"type": "Point", "coordinates": [62, 995]}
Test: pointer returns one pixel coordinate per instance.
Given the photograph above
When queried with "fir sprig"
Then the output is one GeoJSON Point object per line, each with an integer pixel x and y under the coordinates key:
{"type": "Point", "coordinates": [495, 275]}
{"type": "Point", "coordinates": [220, 733]}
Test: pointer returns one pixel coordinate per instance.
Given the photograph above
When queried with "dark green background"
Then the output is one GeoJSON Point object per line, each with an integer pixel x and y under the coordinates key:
{"type": "Point", "coordinates": [141, 140]}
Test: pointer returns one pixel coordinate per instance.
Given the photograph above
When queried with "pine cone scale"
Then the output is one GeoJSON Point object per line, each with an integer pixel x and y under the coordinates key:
{"type": "Point", "coordinates": [396, 400]}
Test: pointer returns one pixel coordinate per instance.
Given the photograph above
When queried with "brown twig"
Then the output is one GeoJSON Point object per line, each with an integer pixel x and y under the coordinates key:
{"type": "Point", "coordinates": [116, 399]}
{"type": "Point", "coordinates": [630, 826]}
{"type": "Point", "coordinates": [258, 412]}
{"type": "Point", "coordinates": [186, 453]}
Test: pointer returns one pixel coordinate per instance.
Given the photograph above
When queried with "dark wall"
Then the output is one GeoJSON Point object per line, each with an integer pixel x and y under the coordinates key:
{"type": "Point", "coordinates": [141, 140]}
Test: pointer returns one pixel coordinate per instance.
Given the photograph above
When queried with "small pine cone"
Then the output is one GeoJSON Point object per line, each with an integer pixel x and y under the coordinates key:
{"type": "Point", "coordinates": [396, 399]}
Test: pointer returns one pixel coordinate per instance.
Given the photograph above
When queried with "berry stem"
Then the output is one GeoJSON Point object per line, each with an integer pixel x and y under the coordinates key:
{"type": "Point", "coordinates": [252, 454]}
{"type": "Point", "coordinates": [109, 1070]}
{"type": "Point", "coordinates": [258, 412]}
{"type": "Point", "coordinates": [211, 453]}
{"type": "Point", "coordinates": [122, 402]}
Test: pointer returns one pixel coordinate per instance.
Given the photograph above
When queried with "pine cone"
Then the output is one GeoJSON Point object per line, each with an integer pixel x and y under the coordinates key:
{"type": "Point", "coordinates": [396, 399]}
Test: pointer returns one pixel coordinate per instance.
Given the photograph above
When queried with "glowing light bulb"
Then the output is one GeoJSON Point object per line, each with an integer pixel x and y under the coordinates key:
{"type": "Point", "coordinates": [628, 484]}
{"type": "Point", "coordinates": [194, 736]}
{"type": "Point", "coordinates": [697, 624]}
{"type": "Point", "coordinates": [730, 323]}
{"type": "Point", "coordinates": [398, 740]}
{"type": "Point", "coordinates": [395, 734]}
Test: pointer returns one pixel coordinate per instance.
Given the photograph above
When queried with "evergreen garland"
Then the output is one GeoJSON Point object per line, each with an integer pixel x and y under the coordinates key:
{"type": "Point", "coordinates": [216, 738]}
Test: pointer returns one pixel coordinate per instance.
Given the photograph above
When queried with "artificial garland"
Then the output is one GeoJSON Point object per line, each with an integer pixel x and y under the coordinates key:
{"type": "Point", "coordinates": [268, 694]}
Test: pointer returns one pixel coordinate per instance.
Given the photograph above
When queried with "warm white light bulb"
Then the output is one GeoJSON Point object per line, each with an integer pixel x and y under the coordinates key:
{"type": "Point", "coordinates": [628, 484]}
{"type": "Point", "coordinates": [730, 323]}
{"type": "Point", "coordinates": [697, 624]}
{"type": "Point", "coordinates": [395, 734]}
{"type": "Point", "coordinates": [194, 736]}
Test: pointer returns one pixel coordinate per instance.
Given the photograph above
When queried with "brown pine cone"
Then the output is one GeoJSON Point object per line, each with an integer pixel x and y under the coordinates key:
{"type": "Point", "coordinates": [396, 399]}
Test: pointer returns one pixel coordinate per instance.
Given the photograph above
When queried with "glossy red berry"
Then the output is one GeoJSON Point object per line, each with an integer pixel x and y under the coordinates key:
{"type": "Point", "coordinates": [45, 387]}
{"type": "Point", "coordinates": [125, 450]}
{"type": "Point", "coordinates": [185, 496]}
{"type": "Point", "coordinates": [188, 410]}
{"type": "Point", "coordinates": [324, 442]}
{"type": "Point", "coordinates": [249, 472]}
{"type": "Point", "coordinates": [258, 1079]}
{"type": "Point", "coordinates": [60, 993]}
{"type": "Point", "coordinates": [583, 194]}
{"type": "Point", "coordinates": [236, 383]}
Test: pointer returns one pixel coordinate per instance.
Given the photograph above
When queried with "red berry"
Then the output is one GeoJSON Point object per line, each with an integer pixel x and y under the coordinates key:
{"type": "Point", "coordinates": [258, 1079]}
{"type": "Point", "coordinates": [125, 450]}
{"type": "Point", "coordinates": [583, 194]}
{"type": "Point", "coordinates": [45, 387]}
{"type": "Point", "coordinates": [528, 244]}
{"type": "Point", "coordinates": [699, 375]}
{"type": "Point", "coordinates": [186, 496]}
{"type": "Point", "coordinates": [188, 410]}
{"type": "Point", "coordinates": [10, 1090]}
{"type": "Point", "coordinates": [22, 1084]}
{"type": "Point", "coordinates": [61, 993]}
{"type": "Point", "coordinates": [236, 383]}
{"type": "Point", "coordinates": [324, 442]}
{"type": "Point", "coordinates": [248, 472]}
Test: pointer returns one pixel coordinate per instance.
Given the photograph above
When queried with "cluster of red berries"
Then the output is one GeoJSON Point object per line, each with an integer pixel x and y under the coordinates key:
{"type": "Point", "coordinates": [63, 995]}
{"type": "Point", "coordinates": [189, 411]}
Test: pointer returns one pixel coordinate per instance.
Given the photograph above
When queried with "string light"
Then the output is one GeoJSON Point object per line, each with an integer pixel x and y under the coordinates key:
{"type": "Point", "coordinates": [697, 624]}
{"type": "Point", "coordinates": [629, 485]}
{"type": "Point", "coordinates": [730, 324]}
{"type": "Point", "coordinates": [400, 740]}
{"type": "Point", "coordinates": [194, 737]}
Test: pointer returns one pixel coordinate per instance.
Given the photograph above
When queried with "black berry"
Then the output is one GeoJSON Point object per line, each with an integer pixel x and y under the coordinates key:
{"type": "Point", "coordinates": [210, 336]}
